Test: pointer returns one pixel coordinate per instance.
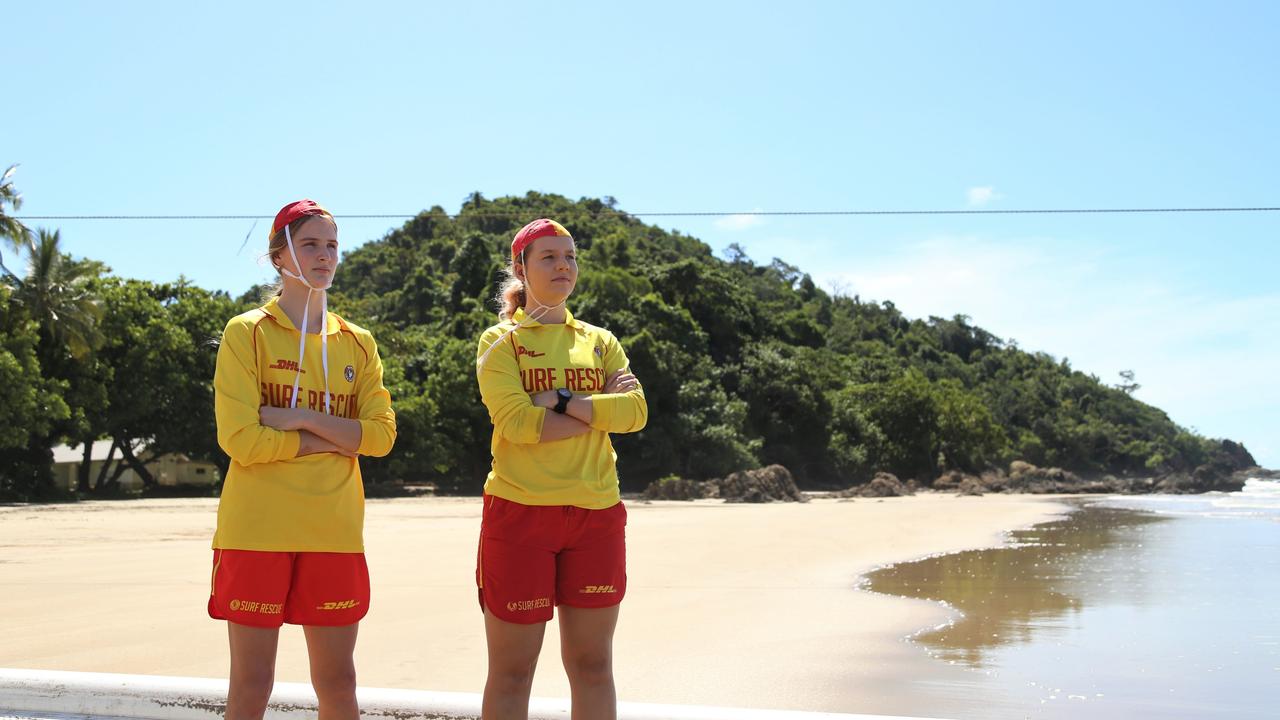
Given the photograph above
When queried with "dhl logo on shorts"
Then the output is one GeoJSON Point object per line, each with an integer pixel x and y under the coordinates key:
{"type": "Point", "coordinates": [253, 606]}
{"type": "Point", "coordinates": [597, 589]}
{"type": "Point", "coordinates": [529, 604]}
{"type": "Point", "coordinates": [339, 605]}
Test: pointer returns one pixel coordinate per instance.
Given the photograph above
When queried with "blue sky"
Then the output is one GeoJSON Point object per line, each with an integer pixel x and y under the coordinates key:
{"type": "Point", "coordinates": [230, 107]}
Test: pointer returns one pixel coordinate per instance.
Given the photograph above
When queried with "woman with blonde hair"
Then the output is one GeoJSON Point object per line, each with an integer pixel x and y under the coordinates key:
{"type": "Point", "coordinates": [553, 525]}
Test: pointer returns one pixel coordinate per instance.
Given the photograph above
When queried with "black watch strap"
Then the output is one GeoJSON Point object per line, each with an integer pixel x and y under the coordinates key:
{"type": "Point", "coordinates": [562, 402]}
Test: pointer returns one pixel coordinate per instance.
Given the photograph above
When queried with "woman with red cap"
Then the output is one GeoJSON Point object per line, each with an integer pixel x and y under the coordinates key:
{"type": "Point", "coordinates": [298, 397]}
{"type": "Point", "coordinates": [552, 529]}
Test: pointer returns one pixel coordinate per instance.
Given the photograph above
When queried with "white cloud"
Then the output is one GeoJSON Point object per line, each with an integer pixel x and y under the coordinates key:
{"type": "Point", "coordinates": [744, 221]}
{"type": "Point", "coordinates": [979, 196]}
{"type": "Point", "coordinates": [1208, 361]}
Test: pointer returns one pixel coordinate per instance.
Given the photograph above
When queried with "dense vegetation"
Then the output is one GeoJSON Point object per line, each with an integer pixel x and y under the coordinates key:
{"type": "Point", "coordinates": [743, 363]}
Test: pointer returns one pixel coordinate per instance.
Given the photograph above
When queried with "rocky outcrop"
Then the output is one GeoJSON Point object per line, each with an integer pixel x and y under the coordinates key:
{"type": "Point", "coordinates": [1027, 478]}
{"type": "Point", "coordinates": [674, 488]}
{"type": "Point", "coordinates": [883, 485]}
{"type": "Point", "coordinates": [1024, 477]}
{"type": "Point", "coordinates": [1259, 473]}
{"type": "Point", "coordinates": [1207, 478]}
{"type": "Point", "coordinates": [1226, 471]}
{"type": "Point", "coordinates": [951, 480]}
{"type": "Point", "coordinates": [775, 484]}
{"type": "Point", "coordinates": [768, 484]}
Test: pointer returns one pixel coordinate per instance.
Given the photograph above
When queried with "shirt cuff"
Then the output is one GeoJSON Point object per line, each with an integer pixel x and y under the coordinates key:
{"type": "Point", "coordinates": [289, 447]}
{"type": "Point", "coordinates": [369, 434]}
{"type": "Point", "coordinates": [602, 411]}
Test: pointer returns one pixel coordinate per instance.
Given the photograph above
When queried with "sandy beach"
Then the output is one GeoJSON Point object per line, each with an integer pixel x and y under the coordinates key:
{"type": "Point", "coordinates": [741, 605]}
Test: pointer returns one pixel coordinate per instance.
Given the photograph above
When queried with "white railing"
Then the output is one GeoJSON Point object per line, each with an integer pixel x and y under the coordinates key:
{"type": "Point", "coordinates": [37, 693]}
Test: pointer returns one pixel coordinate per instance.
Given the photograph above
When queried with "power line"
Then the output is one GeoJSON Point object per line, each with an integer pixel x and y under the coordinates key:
{"type": "Point", "coordinates": [754, 213]}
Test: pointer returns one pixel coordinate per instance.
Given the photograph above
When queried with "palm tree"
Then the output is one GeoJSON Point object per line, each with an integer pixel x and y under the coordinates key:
{"type": "Point", "coordinates": [11, 229]}
{"type": "Point", "coordinates": [57, 292]}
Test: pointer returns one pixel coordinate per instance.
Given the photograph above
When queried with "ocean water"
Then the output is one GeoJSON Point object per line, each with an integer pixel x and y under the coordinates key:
{"type": "Point", "coordinates": [1260, 500]}
{"type": "Point", "coordinates": [1129, 607]}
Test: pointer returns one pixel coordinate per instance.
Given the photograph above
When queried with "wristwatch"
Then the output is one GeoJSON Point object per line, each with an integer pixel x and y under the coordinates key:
{"type": "Point", "coordinates": [563, 397]}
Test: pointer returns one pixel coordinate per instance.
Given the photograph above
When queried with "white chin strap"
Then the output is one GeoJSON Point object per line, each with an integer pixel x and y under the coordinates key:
{"type": "Point", "coordinates": [302, 332]}
{"type": "Point", "coordinates": [537, 314]}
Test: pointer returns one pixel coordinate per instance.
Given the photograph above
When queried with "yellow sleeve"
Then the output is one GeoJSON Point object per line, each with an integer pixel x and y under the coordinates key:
{"type": "Point", "coordinates": [515, 418]}
{"type": "Point", "coordinates": [236, 399]}
{"type": "Point", "coordinates": [377, 419]}
{"type": "Point", "coordinates": [618, 412]}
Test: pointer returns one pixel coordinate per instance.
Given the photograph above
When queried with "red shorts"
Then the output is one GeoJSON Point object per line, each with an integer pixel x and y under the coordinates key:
{"type": "Point", "coordinates": [533, 557]}
{"type": "Point", "coordinates": [265, 589]}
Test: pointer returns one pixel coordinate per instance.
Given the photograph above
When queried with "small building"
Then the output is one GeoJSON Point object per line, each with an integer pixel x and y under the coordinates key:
{"type": "Point", "coordinates": [167, 469]}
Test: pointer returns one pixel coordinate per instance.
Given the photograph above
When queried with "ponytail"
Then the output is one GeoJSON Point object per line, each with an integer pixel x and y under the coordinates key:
{"type": "Point", "coordinates": [511, 295]}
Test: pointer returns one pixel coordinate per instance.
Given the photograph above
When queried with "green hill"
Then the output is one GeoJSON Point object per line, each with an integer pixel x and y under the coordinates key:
{"type": "Point", "coordinates": [743, 363]}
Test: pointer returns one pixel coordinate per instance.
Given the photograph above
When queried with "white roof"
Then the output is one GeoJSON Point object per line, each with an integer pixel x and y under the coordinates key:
{"type": "Point", "coordinates": [69, 454]}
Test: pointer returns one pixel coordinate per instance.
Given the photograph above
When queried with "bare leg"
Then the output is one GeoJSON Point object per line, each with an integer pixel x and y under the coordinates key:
{"type": "Point", "coordinates": [253, 670]}
{"type": "Point", "coordinates": [333, 670]}
{"type": "Point", "coordinates": [586, 646]}
{"type": "Point", "coordinates": [513, 655]}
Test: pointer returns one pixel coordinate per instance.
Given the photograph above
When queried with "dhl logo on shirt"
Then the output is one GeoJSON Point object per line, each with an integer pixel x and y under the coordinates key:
{"type": "Point", "coordinates": [286, 365]}
{"type": "Point", "coordinates": [522, 350]}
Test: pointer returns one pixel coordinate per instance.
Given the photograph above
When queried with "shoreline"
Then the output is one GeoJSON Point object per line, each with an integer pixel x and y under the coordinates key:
{"type": "Point", "coordinates": [727, 604]}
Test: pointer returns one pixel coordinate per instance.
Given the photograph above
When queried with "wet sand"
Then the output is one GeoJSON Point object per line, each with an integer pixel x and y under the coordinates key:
{"type": "Point", "coordinates": [740, 605]}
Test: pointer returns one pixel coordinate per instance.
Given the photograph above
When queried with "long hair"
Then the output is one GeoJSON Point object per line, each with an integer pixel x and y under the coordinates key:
{"type": "Point", "coordinates": [511, 295]}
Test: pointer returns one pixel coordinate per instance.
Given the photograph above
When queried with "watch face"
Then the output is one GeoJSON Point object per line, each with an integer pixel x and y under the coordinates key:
{"type": "Point", "coordinates": [563, 402]}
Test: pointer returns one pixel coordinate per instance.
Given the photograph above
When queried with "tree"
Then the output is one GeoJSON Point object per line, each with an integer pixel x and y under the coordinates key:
{"type": "Point", "coordinates": [712, 426]}
{"type": "Point", "coordinates": [443, 429]}
{"type": "Point", "coordinates": [916, 428]}
{"type": "Point", "coordinates": [788, 406]}
{"type": "Point", "coordinates": [12, 230]}
{"type": "Point", "coordinates": [58, 293]}
{"type": "Point", "coordinates": [31, 406]}
{"type": "Point", "coordinates": [189, 426]}
{"type": "Point", "coordinates": [160, 396]}
{"type": "Point", "coordinates": [1127, 384]}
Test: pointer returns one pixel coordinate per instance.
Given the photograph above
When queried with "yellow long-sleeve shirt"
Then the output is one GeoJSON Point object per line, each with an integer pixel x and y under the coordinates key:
{"type": "Point", "coordinates": [272, 500]}
{"type": "Point", "coordinates": [576, 471]}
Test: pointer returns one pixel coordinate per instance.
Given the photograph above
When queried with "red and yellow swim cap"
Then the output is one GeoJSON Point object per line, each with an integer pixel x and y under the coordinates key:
{"type": "Point", "coordinates": [541, 227]}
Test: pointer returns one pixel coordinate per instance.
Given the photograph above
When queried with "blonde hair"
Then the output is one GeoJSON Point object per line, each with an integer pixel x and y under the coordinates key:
{"type": "Point", "coordinates": [277, 243]}
{"type": "Point", "coordinates": [511, 294]}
